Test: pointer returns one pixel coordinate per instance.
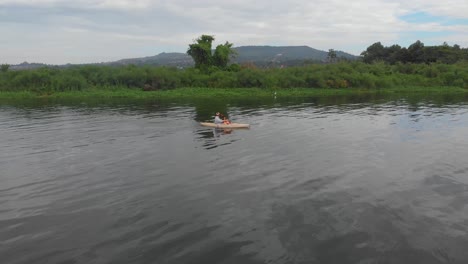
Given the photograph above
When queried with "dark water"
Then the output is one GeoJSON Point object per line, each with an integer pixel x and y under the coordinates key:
{"type": "Point", "coordinates": [317, 180]}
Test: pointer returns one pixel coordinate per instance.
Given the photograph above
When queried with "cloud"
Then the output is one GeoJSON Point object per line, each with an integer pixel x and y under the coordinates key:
{"type": "Point", "coordinates": [145, 27]}
{"type": "Point", "coordinates": [82, 4]}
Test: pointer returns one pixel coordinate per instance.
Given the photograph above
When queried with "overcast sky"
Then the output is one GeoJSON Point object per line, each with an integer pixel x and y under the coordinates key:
{"type": "Point", "coordinates": [81, 31]}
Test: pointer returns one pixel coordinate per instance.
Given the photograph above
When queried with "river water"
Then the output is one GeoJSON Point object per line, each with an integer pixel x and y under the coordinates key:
{"type": "Point", "coordinates": [361, 179]}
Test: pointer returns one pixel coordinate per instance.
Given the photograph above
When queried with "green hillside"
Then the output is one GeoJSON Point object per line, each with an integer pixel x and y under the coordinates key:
{"type": "Point", "coordinates": [261, 56]}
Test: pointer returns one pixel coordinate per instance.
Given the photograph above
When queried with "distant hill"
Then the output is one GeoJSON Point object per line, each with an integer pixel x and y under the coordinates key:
{"type": "Point", "coordinates": [175, 59]}
{"type": "Point", "coordinates": [26, 66]}
{"type": "Point", "coordinates": [284, 53]}
{"type": "Point", "coordinates": [258, 55]}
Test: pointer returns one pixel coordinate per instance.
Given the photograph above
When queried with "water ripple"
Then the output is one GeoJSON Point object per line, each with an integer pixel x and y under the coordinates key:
{"type": "Point", "coordinates": [313, 181]}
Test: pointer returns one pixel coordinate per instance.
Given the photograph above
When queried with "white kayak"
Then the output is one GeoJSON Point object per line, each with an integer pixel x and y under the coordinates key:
{"type": "Point", "coordinates": [232, 125]}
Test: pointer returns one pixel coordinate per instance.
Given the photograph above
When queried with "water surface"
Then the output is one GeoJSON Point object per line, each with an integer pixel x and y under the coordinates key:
{"type": "Point", "coordinates": [315, 180]}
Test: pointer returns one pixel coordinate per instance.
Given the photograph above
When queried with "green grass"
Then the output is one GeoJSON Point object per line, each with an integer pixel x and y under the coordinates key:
{"type": "Point", "coordinates": [187, 93]}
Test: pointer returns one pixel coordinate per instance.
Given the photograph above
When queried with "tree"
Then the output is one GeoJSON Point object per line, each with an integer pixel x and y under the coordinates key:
{"type": "Point", "coordinates": [201, 53]}
{"type": "Point", "coordinates": [222, 54]}
{"type": "Point", "coordinates": [331, 56]}
{"type": "Point", "coordinates": [374, 52]}
{"type": "Point", "coordinates": [416, 52]}
{"type": "Point", "coordinates": [4, 67]}
{"type": "Point", "coordinates": [394, 54]}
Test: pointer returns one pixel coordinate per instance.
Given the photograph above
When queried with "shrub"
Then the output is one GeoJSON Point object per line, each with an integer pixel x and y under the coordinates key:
{"type": "Point", "coordinates": [68, 83]}
{"type": "Point", "coordinates": [250, 78]}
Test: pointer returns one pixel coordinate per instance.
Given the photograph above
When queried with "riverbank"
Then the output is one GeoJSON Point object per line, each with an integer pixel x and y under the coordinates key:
{"type": "Point", "coordinates": [186, 93]}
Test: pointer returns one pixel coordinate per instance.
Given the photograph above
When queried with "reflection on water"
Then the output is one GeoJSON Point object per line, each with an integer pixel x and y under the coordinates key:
{"type": "Point", "coordinates": [349, 179]}
{"type": "Point", "coordinates": [211, 136]}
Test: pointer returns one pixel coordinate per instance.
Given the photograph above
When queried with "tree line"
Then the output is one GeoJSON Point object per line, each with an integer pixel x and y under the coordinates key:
{"type": "Point", "coordinates": [382, 67]}
{"type": "Point", "coordinates": [415, 53]}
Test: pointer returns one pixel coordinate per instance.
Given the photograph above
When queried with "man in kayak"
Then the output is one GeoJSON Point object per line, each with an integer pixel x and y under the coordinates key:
{"type": "Point", "coordinates": [217, 119]}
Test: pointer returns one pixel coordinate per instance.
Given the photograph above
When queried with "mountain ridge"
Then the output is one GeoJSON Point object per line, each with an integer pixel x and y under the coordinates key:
{"type": "Point", "coordinates": [261, 55]}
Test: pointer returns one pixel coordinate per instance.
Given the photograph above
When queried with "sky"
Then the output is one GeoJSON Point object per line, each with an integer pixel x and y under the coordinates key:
{"type": "Point", "coordinates": [88, 31]}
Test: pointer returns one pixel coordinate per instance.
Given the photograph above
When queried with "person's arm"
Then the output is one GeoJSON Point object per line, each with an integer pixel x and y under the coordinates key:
{"type": "Point", "coordinates": [218, 120]}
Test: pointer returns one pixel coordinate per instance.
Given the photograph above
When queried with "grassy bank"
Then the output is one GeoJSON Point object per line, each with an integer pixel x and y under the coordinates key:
{"type": "Point", "coordinates": [352, 75]}
{"type": "Point", "coordinates": [187, 93]}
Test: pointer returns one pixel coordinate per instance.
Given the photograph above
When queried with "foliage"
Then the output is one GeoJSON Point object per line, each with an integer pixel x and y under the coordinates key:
{"type": "Point", "coordinates": [331, 55]}
{"type": "Point", "coordinates": [222, 54]}
{"type": "Point", "coordinates": [201, 53]}
{"type": "Point", "coordinates": [415, 53]}
{"type": "Point", "coordinates": [4, 67]}
{"type": "Point", "coordinates": [340, 75]}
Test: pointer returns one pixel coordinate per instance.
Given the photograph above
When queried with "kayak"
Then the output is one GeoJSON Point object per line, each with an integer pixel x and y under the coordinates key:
{"type": "Point", "coordinates": [232, 125]}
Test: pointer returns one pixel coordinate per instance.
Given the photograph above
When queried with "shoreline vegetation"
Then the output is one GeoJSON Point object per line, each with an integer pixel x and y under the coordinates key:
{"type": "Point", "coordinates": [132, 81]}
{"type": "Point", "coordinates": [380, 69]}
{"type": "Point", "coordinates": [232, 93]}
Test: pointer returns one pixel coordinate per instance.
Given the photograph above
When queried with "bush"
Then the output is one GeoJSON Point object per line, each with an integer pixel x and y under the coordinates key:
{"type": "Point", "coordinates": [339, 75]}
{"type": "Point", "coordinates": [69, 83]}
{"type": "Point", "coordinates": [250, 78]}
{"type": "Point", "coordinates": [32, 80]}
{"type": "Point", "coordinates": [130, 76]}
{"type": "Point", "coordinates": [288, 79]}
{"type": "Point", "coordinates": [163, 78]}
{"type": "Point", "coordinates": [314, 80]}
{"type": "Point", "coordinates": [222, 79]}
